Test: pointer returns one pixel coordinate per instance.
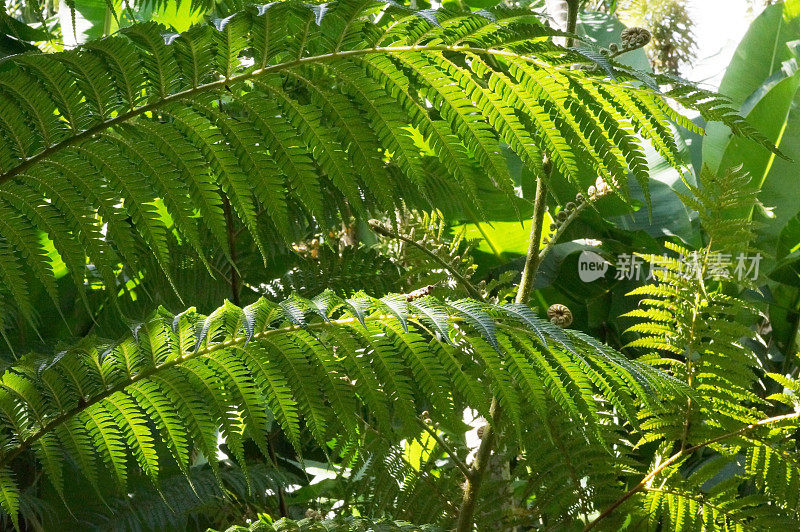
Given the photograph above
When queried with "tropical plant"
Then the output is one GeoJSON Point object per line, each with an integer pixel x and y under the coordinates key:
{"type": "Point", "coordinates": [236, 124]}
{"type": "Point", "coordinates": [727, 449]}
{"type": "Point", "coordinates": [154, 168]}
{"type": "Point", "coordinates": [238, 369]}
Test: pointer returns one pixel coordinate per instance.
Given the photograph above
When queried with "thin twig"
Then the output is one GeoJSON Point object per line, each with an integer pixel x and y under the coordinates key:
{"type": "Point", "coordinates": [447, 449]}
{"type": "Point", "coordinates": [468, 286]}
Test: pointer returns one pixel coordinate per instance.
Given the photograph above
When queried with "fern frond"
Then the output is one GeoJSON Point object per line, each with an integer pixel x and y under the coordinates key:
{"type": "Point", "coordinates": [309, 364]}
{"type": "Point", "coordinates": [246, 110]}
{"type": "Point", "coordinates": [734, 467]}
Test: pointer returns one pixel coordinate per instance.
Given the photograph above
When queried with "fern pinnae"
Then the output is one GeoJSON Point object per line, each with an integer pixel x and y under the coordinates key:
{"type": "Point", "coordinates": [524, 314]}
{"type": "Point", "coordinates": [363, 145]}
{"type": "Point", "coordinates": [47, 451]}
{"type": "Point", "coordinates": [266, 28]}
{"type": "Point", "coordinates": [363, 376]}
{"type": "Point", "coordinates": [294, 161]}
{"type": "Point", "coordinates": [12, 275]}
{"type": "Point", "coordinates": [309, 396]}
{"type": "Point", "coordinates": [468, 386]}
{"type": "Point", "coordinates": [43, 215]}
{"type": "Point", "coordinates": [389, 369]}
{"type": "Point", "coordinates": [279, 396]}
{"type": "Point", "coordinates": [551, 140]}
{"type": "Point", "coordinates": [499, 114]}
{"type": "Point", "coordinates": [68, 190]}
{"type": "Point", "coordinates": [237, 380]}
{"type": "Point", "coordinates": [571, 118]}
{"type": "Point", "coordinates": [18, 142]}
{"type": "Point", "coordinates": [459, 111]}
{"type": "Point", "coordinates": [228, 42]}
{"type": "Point", "coordinates": [432, 315]}
{"type": "Point", "coordinates": [550, 376]}
{"type": "Point", "coordinates": [475, 314]}
{"type": "Point", "coordinates": [620, 134]}
{"type": "Point", "coordinates": [447, 146]}
{"type": "Point", "coordinates": [383, 115]}
{"type": "Point", "coordinates": [171, 190]}
{"type": "Point", "coordinates": [54, 79]}
{"type": "Point", "coordinates": [157, 405]}
{"type": "Point", "coordinates": [137, 434]}
{"type": "Point", "coordinates": [333, 382]}
{"type": "Point", "coordinates": [323, 304]}
{"type": "Point", "coordinates": [37, 107]}
{"type": "Point", "coordinates": [428, 26]}
{"type": "Point", "coordinates": [206, 138]}
{"type": "Point", "coordinates": [203, 194]}
{"type": "Point", "coordinates": [653, 130]}
{"type": "Point", "coordinates": [194, 54]}
{"type": "Point", "coordinates": [401, 28]}
{"type": "Point", "coordinates": [121, 60]}
{"type": "Point", "coordinates": [9, 494]}
{"type": "Point", "coordinates": [267, 187]}
{"type": "Point", "coordinates": [200, 423]}
{"type": "Point", "coordinates": [218, 404]}
{"type": "Point", "coordinates": [321, 142]}
{"type": "Point", "coordinates": [499, 381]}
{"type": "Point", "coordinates": [109, 162]}
{"type": "Point", "coordinates": [524, 374]}
{"type": "Point", "coordinates": [397, 306]}
{"type": "Point", "coordinates": [160, 65]}
{"type": "Point", "coordinates": [432, 381]}
{"type": "Point", "coordinates": [18, 231]}
{"type": "Point", "coordinates": [340, 20]}
{"type": "Point", "coordinates": [579, 382]}
{"type": "Point", "coordinates": [97, 90]}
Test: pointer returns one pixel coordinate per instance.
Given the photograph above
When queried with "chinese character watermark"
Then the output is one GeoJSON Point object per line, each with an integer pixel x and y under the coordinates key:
{"type": "Point", "coordinates": [628, 267]}
{"type": "Point", "coordinates": [631, 267]}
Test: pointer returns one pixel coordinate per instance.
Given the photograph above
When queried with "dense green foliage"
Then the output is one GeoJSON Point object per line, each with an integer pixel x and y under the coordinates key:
{"type": "Point", "coordinates": [306, 160]}
{"type": "Point", "coordinates": [190, 374]}
{"type": "Point", "coordinates": [332, 525]}
{"type": "Point", "coordinates": [291, 112]}
{"type": "Point", "coordinates": [692, 326]}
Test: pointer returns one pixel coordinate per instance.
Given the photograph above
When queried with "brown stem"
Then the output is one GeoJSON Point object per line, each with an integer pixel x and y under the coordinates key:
{"type": "Point", "coordinates": [478, 469]}
{"type": "Point", "coordinates": [532, 261]}
{"type": "Point", "coordinates": [572, 19]}
{"type": "Point", "coordinates": [473, 483]}
{"type": "Point", "coordinates": [473, 475]}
